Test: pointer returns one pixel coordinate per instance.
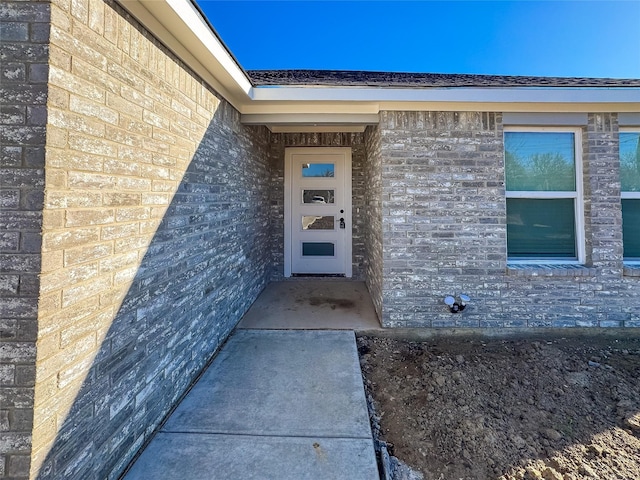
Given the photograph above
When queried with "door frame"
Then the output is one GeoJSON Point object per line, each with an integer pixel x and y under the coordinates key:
{"type": "Point", "coordinates": [345, 152]}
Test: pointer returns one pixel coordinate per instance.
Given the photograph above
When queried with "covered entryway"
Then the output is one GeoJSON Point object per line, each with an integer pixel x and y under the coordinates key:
{"type": "Point", "coordinates": [313, 304]}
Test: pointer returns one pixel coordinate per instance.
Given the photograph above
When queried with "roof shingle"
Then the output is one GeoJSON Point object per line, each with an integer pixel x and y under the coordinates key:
{"type": "Point", "coordinates": [344, 78]}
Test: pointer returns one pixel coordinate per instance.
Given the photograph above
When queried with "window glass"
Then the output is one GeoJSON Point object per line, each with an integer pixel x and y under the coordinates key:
{"type": "Point", "coordinates": [544, 200]}
{"type": "Point", "coordinates": [318, 249]}
{"type": "Point", "coordinates": [631, 228]}
{"type": "Point", "coordinates": [312, 222]}
{"type": "Point", "coordinates": [318, 170]}
{"type": "Point", "coordinates": [540, 161]}
{"type": "Point", "coordinates": [318, 196]}
{"type": "Point", "coordinates": [541, 228]}
{"type": "Point", "coordinates": [630, 161]}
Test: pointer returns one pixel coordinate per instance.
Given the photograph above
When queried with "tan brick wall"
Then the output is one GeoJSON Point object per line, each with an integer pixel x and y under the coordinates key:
{"type": "Point", "coordinates": [144, 268]}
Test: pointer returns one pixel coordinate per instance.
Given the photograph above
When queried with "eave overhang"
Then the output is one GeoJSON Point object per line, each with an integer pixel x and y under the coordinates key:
{"type": "Point", "coordinates": [182, 28]}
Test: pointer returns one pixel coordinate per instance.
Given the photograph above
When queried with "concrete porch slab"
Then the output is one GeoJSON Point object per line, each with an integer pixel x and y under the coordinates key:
{"type": "Point", "coordinates": [273, 404]}
{"type": "Point", "coordinates": [308, 303]}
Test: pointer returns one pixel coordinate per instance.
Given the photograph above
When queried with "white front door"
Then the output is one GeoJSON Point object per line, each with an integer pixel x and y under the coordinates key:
{"type": "Point", "coordinates": [317, 211]}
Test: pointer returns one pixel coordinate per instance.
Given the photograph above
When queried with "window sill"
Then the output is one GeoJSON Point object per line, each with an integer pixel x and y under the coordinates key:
{"type": "Point", "coordinates": [631, 270]}
{"type": "Point", "coordinates": [549, 270]}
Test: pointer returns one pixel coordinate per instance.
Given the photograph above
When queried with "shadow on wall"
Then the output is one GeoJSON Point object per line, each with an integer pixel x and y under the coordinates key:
{"type": "Point", "coordinates": [168, 312]}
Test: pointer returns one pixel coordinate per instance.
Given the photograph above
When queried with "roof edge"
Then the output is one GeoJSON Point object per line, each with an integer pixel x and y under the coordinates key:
{"type": "Point", "coordinates": [183, 29]}
{"type": "Point", "coordinates": [361, 78]}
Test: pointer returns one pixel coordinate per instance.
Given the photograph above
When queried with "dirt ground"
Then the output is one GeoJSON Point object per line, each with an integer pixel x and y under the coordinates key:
{"type": "Point", "coordinates": [557, 408]}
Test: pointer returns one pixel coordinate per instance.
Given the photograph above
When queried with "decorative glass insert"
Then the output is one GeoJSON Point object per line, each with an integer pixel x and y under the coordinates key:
{"type": "Point", "coordinates": [630, 161]}
{"type": "Point", "coordinates": [540, 161]}
{"type": "Point", "coordinates": [317, 170]}
{"type": "Point", "coordinates": [318, 249]}
{"type": "Point", "coordinates": [318, 196]}
{"type": "Point", "coordinates": [541, 228]}
{"type": "Point", "coordinates": [312, 222]}
{"type": "Point", "coordinates": [631, 228]}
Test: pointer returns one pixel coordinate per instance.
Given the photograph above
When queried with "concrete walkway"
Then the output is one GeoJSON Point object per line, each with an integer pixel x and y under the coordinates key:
{"type": "Point", "coordinates": [273, 405]}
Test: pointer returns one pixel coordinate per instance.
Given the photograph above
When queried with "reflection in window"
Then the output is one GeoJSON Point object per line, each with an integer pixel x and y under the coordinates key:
{"type": "Point", "coordinates": [630, 180]}
{"type": "Point", "coordinates": [630, 161]}
{"type": "Point", "coordinates": [543, 202]}
{"type": "Point", "coordinates": [318, 170]}
{"type": "Point", "coordinates": [311, 222]}
{"type": "Point", "coordinates": [318, 196]}
{"type": "Point", "coordinates": [318, 249]}
{"type": "Point", "coordinates": [540, 161]}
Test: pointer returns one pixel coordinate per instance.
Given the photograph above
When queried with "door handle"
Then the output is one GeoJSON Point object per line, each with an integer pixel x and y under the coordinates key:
{"type": "Point", "coordinates": [342, 224]}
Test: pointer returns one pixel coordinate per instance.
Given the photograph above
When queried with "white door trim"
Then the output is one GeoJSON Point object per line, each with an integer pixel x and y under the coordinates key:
{"type": "Point", "coordinates": [345, 152]}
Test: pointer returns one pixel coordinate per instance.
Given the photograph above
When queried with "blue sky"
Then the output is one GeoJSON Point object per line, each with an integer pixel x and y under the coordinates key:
{"type": "Point", "coordinates": [586, 38]}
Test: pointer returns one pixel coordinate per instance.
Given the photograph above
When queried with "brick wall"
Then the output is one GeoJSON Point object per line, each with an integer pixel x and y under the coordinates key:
{"type": "Point", "coordinates": [24, 31]}
{"type": "Point", "coordinates": [281, 141]}
{"type": "Point", "coordinates": [444, 230]}
{"type": "Point", "coordinates": [154, 227]}
{"type": "Point", "coordinates": [373, 228]}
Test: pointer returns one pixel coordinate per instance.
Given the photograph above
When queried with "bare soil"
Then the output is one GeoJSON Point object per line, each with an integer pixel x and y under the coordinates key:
{"type": "Point", "coordinates": [557, 408]}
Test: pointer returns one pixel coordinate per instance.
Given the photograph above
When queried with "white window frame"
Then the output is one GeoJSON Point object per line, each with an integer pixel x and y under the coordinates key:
{"type": "Point", "coordinates": [577, 195]}
{"type": "Point", "coordinates": [629, 195]}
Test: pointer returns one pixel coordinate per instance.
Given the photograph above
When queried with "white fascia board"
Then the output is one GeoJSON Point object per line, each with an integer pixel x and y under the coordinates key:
{"type": "Point", "coordinates": [458, 95]}
{"type": "Point", "coordinates": [368, 108]}
{"type": "Point", "coordinates": [316, 128]}
{"type": "Point", "coordinates": [310, 119]}
{"type": "Point", "coordinates": [321, 108]}
{"type": "Point", "coordinates": [179, 25]}
{"type": "Point", "coordinates": [510, 107]}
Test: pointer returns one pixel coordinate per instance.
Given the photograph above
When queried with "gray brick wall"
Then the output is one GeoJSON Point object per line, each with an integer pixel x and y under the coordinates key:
{"type": "Point", "coordinates": [373, 227]}
{"type": "Point", "coordinates": [280, 141]}
{"type": "Point", "coordinates": [603, 216]}
{"type": "Point", "coordinates": [153, 244]}
{"type": "Point", "coordinates": [24, 32]}
{"type": "Point", "coordinates": [444, 230]}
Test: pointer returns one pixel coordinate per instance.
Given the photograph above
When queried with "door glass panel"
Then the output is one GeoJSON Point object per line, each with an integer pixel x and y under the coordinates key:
{"type": "Point", "coordinates": [318, 249]}
{"type": "Point", "coordinates": [313, 222]}
{"type": "Point", "coordinates": [318, 196]}
{"type": "Point", "coordinates": [318, 170]}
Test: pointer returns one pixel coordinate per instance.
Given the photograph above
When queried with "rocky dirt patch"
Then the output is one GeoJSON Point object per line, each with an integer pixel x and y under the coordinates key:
{"type": "Point", "coordinates": [553, 408]}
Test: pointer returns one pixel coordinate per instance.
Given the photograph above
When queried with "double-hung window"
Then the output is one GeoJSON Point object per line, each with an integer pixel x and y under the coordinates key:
{"type": "Point", "coordinates": [543, 173]}
{"type": "Point", "coordinates": [630, 182]}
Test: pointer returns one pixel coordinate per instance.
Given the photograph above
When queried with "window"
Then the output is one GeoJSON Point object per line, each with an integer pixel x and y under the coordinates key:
{"type": "Point", "coordinates": [630, 182]}
{"type": "Point", "coordinates": [543, 172]}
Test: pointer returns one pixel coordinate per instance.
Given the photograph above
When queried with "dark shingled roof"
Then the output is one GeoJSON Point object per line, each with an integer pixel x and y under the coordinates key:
{"type": "Point", "coordinates": [337, 78]}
